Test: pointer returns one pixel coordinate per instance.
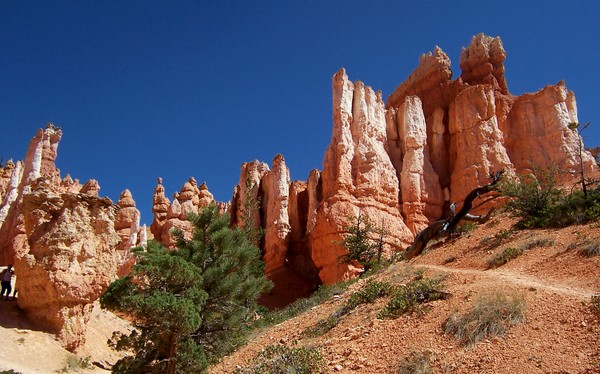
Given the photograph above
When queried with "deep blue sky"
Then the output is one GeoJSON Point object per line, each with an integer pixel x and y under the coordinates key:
{"type": "Point", "coordinates": [176, 89]}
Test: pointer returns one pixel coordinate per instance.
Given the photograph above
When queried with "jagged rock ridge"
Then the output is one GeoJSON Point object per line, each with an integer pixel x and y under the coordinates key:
{"type": "Point", "coordinates": [66, 243]}
{"type": "Point", "coordinates": [399, 162]}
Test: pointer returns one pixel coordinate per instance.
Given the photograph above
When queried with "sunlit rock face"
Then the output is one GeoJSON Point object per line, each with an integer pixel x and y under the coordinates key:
{"type": "Point", "coordinates": [276, 196]}
{"type": "Point", "coordinates": [476, 143]}
{"type": "Point", "coordinates": [358, 176]}
{"type": "Point", "coordinates": [160, 207]}
{"type": "Point", "coordinates": [39, 162]}
{"type": "Point", "coordinates": [61, 238]}
{"type": "Point", "coordinates": [68, 258]}
{"type": "Point", "coordinates": [420, 190]}
{"type": "Point", "coordinates": [403, 163]}
{"type": "Point", "coordinates": [482, 62]}
{"type": "Point", "coordinates": [131, 234]}
{"type": "Point", "coordinates": [476, 126]}
{"type": "Point", "coordinates": [538, 133]}
{"type": "Point", "coordinates": [170, 216]}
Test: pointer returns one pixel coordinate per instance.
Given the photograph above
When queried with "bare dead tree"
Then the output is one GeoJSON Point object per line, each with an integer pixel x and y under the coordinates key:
{"type": "Point", "coordinates": [446, 226]}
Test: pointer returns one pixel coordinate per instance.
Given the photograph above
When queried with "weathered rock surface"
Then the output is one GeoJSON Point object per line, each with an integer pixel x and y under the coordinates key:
{"type": "Point", "coordinates": [538, 134]}
{"type": "Point", "coordinates": [358, 176]}
{"type": "Point", "coordinates": [400, 163]}
{"type": "Point", "coordinates": [275, 202]}
{"type": "Point", "coordinates": [67, 261]}
{"type": "Point", "coordinates": [173, 216]}
{"type": "Point", "coordinates": [476, 143]}
{"type": "Point", "coordinates": [482, 62]}
{"type": "Point", "coordinates": [61, 238]}
{"type": "Point", "coordinates": [127, 226]}
{"type": "Point", "coordinates": [421, 192]}
{"type": "Point", "coordinates": [475, 126]}
{"type": "Point", "coordinates": [39, 162]}
{"type": "Point", "coordinates": [160, 207]}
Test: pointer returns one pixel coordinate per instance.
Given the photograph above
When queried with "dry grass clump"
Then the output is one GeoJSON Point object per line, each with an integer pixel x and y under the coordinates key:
{"type": "Point", "coordinates": [511, 253]}
{"type": "Point", "coordinates": [596, 304]}
{"type": "Point", "coordinates": [371, 291]}
{"type": "Point", "coordinates": [415, 363]}
{"type": "Point", "coordinates": [491, 315]}
{"type": "Point", "coordinates": [503, 257]}
{"type": "Point", "coordinates": [590, 248]}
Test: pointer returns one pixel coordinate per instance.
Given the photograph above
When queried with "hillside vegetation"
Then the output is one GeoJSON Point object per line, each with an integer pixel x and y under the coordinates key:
{"type": "Point", "coordinates": [533, 313]}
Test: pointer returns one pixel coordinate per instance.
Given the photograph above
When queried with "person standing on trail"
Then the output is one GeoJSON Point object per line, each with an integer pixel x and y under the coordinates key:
{"type": "Point", "coordinates": [6, 277]}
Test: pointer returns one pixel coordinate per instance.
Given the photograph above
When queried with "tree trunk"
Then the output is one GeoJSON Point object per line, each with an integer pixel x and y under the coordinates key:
{"type": "Point", "coordinates": [172, 351]}
{"type": "Point", "coordinates": [446, 226]}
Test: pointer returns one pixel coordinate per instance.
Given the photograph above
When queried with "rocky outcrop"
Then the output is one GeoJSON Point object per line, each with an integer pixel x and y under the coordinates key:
{"type": "Point", "coordinates": [400, 164]}
{"type": "Point", "coordinates": [5, 175]}
{"type": "Point", "coordinates": [482, 62]}
{"type": "Point", "coordinates": [131, 234]}
{"type": "Point", "coordinates": [247, 194]}
{"type": "Point", "coordinates": [275, 202]}
{"type": "Point", "coordinates": [475, 126]}
{"type": "Point", "coordinates": [160, 207]}
{"type": "Point", "coordinates": [173, 216]}
{"type": "Point", "coordinates": [67, 261]}
{"type": "Point", "coordinates": [39, 162]}
{"type": "Point", "coordinates": [476, 143]}
{"type": "Point", "coordinates": [61, 238]}
{"type": "Point", "coordinates": [421, 192]}
{"type": "Point", "coordinates": [538, 133]}
{"type": "Point", "coordinates": [358, 176]}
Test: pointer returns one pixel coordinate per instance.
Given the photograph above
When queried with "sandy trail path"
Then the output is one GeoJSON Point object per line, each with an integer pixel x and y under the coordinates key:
{"type": "Point", "coordinates": [520, 279]}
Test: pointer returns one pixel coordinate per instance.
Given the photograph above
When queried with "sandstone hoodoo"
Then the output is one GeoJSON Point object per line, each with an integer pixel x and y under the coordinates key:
{"type": "Point", "coordinates": [401, 163]}
{"type": "Point", "coordinates": [66, 241]}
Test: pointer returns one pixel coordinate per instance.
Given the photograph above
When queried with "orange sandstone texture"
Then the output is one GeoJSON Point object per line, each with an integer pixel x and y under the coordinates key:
{"type": "Point", "coordinates": [403, 162]}
{"type": "Point", "coordinates": [62, 238]}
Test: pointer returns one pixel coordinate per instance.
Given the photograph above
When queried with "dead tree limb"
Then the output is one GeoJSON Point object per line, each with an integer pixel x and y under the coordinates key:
{"type": "Point", "coordinates": [446, 226]}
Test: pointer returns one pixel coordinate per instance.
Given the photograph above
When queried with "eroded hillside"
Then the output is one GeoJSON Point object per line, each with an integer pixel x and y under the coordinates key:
{"type": "Point", "coordinates": [560, 333]}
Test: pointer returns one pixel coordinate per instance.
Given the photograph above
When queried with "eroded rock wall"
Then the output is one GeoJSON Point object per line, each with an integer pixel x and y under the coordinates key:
{"type": "Point", "coordinates": [68, 259]}
{"type": "Point", "coordinates": [358, 176]}
{"type": "Point", "coordinates": [62, 239]}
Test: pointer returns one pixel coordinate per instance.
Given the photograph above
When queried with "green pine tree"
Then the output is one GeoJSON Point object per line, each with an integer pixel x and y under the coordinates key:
{"type": "Point", "coordinates": [359, 243]}
{"type": "Point", "coordinates": [189, 306]}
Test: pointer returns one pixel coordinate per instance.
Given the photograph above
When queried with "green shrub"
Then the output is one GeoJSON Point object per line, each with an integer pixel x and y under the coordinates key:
{"type": "Point", "coordinates": [533, 197]}
{"type": "Point", "coordinates": [369, 293]}
{"type": "Point", "coordinates": [415, 363]}
{"type": "Point", "coordinates": [464, 229]}
{"type": "Point", "coordinates": [510, 253]}
{"type": "Point", "coordinates": [491, 242]}
{"type": "Point", "coordinates": [322, 327]}
{"type": "Point", "coordinates": [279, 359]}
{"type": "Point", "coordinates": [323, 293]}
{"type": "Point", "coordinates": [503, 257]}
{"type": "Point", "coordinates": [491, 316]}
{"type": "Point", "coordinates": [536, 200]}
{"type": "Point", "coordinates": [408, 298]}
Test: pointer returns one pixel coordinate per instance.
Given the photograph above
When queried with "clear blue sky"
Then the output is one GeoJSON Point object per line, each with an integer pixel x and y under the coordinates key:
{"type": "Point", "coordinates": [176, 89]}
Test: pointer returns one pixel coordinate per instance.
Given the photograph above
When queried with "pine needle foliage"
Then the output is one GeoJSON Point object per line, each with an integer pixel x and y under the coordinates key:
{"type": "Point", "coordinates": [190, 305]}
{"type": "Point", "coordinates": [363, 241]}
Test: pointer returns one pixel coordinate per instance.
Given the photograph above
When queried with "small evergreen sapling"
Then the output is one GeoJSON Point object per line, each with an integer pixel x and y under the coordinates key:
{"type": "Point", "coordinates": [359, 242]}
{"type": "Point", "coordinates": [189, 306]}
